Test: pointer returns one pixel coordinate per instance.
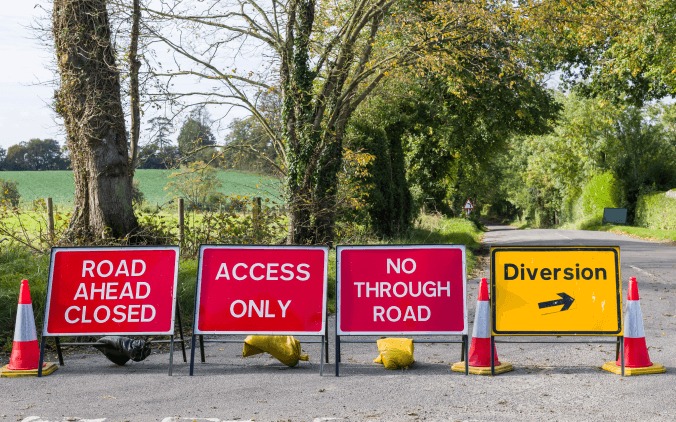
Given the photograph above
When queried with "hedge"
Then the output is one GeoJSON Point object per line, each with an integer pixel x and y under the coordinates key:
{"type": "Point", "coordinates": [603, 190]}
{"type": "Point", "coordinates": [656, 211]}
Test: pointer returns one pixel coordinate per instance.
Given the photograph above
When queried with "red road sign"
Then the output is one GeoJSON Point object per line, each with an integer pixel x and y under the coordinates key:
{"type": "Point", "coordinates": [271, 290]}
{"type": "Point", "coordinates": [418, 289]}
{"type": "Point", "coordinates": [468, 205]}
{"type": "Point", "coordinates": [123, 290]}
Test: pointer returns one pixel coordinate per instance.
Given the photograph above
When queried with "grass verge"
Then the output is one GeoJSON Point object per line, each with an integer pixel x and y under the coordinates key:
{"type": "Point", "coordinates": [655, 235]}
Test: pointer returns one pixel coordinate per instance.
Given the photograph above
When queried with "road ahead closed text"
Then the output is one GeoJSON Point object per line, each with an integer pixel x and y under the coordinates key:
{"type": "Point", "coordinates": [401, 289]}
{"type": "Point", "coordinates": [116, 290]}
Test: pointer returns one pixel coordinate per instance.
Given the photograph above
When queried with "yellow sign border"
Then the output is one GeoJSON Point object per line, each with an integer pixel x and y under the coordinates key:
{"type": "Point", "coordinates": [618, 289]}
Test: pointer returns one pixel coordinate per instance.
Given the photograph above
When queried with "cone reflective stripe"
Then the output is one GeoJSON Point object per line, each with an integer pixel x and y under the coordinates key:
{"type": "Point", "coordinates": [480, 348]}
{"type": "Point", "coordinates": [635, 348]}
{"type": "Point", "coordinates": [25, 350]}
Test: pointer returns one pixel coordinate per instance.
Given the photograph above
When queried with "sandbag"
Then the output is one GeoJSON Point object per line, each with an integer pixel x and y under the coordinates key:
{"type": "Point", "coordinates": [120, 350]}
{"type": "Point", "coordinates": [285, 349]}
{"type": "Point", "coordinates": [395, 352]}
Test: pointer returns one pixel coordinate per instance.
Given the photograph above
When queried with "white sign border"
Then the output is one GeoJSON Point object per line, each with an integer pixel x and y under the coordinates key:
{"type": "Point", "coordinates": [53, 253]}
{"type": "Point", "coordinates": [339, 250]}
{"type": "Point", "coordinates": [197, 331]}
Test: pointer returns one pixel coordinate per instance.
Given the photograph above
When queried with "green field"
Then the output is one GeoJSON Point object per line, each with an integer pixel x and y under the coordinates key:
{"type": "Point", "coordinates": [59, 185]}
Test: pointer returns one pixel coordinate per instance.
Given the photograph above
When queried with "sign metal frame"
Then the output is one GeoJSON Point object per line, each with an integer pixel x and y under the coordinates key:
{"type": "Point", "coordinates": [619, 342]}
{"type": "Point", "coordinates": [464, 354]}
{"type": "Point", "coordinates": [175, 313]}
{"type": "Point", "coordinates": [322, 333]}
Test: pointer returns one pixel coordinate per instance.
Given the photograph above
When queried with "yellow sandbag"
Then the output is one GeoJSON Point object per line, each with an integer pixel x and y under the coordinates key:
{"type": "Point", "coordinates": [395, 352]}
{"type": "Point", "coordinates": [285, 348]}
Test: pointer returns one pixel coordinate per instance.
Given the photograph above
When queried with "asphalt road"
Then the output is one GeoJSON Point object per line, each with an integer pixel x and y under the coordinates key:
{"type": "Point", "coordinates": [550, 382]}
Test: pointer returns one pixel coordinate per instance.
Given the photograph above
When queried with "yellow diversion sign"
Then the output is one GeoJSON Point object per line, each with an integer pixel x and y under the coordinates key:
{"type": "Point", "coordinates": [556, 291]}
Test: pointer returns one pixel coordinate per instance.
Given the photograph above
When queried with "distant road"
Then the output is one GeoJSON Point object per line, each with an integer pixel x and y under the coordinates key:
{"type": "Point", "coordinates": [550, 382]}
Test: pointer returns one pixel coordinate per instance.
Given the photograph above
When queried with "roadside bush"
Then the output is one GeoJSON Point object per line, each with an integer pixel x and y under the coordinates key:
{"type": "Point", "coordinates": [603, 190]}
{"type": "Point", "coordinates": [656, 211]}
{"type": "Point", "coordinates": [16, 264]}
{"type": "Point", "coordinates": [9, 193]}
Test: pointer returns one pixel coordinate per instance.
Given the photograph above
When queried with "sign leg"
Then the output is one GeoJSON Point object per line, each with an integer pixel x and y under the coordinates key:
{"type": "Point", "coordinates": [192, 355]}
{"type": "Point", "coordinates": [465, 338]}
{"type": "Point", "coordinates": [462, 351]}
{"type": "Point", "coordinates": [492, 356]}
{"type": "Point", "coordinates": [202, 348]}
{"type": "Point", "coordinates": [171, 355]}
{"type": "Point", "coordinates": [180, 330]}
{"type": "Point", "coordinates": [622, 353]}
{"type": "Point", "coordinates": [617, 349]}
{"type": "Point", "coordinates": [337, 355]}
{"type": "Point", "coordinates": [42, 355]}
{"type": "Point", "coordinates": [326, 341]}
{"type": "Point", "coordinates": [321, 359]}
{"type": "Point", "coordinates": [58, 350]}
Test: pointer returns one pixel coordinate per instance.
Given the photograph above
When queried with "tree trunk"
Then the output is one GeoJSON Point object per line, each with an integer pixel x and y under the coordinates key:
{"type": "Point", "coordinates": [89, 102]}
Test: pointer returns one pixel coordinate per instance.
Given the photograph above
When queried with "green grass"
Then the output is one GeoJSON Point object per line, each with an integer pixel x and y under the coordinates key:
{"type": "Point", "coordinates": [638, 232]}
{"type": "Point", "coordinates": [59, 185]}
{"type": "Point", "coordinates": [17, 263]}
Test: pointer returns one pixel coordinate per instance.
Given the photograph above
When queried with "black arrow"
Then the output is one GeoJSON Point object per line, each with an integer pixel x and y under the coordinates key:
{"type": "Point", "coordinates": [565, 300]}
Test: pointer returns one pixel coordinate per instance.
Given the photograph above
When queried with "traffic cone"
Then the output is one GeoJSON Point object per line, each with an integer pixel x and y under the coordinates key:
{"type": "Point", "coordinates": [480, 348]}
{"type": "Point", "coordinates": [636, 359]}
{"type": "Point", "coordinates": [25, 351]}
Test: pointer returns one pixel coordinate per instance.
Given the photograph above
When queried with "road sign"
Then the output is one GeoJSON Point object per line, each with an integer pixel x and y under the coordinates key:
{"type": "Point", "coordinates": [395, 289]}
{"type": "Point", "coordinates": [123, 290]}
{"type": "Point", "coordinates": [270, 290]}
{"type": "Point", "coordinates": [556, 290]}
{"type": "Point", "coordinates": [468, 205]}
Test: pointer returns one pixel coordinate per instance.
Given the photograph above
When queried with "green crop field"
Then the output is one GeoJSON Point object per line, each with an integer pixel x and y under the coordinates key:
{"type": "Point", "coordinates": [59, 185]}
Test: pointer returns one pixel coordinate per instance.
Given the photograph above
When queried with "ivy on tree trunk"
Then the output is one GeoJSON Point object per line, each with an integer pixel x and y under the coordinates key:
{"type": "Point", "coordinates": [89, 101]}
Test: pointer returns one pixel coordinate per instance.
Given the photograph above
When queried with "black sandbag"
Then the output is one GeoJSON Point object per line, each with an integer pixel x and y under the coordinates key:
{"type": "Point", "coordinates": [120, 350]}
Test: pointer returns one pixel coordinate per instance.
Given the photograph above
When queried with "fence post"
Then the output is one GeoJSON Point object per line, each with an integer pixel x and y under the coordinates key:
{"type": "Point", "coordinates": [256, 211]}
{"type": "Point", "coordinates": [180, 222]}
{"type": "Point", "coordinates": [50, 218]}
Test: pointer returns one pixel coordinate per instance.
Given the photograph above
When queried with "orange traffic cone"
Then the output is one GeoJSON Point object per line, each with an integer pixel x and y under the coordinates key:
{"type": "Point", "coordinates": [25, 350]}
{"type": "Point", "coordinates": [636, 359]}
{"type": "Point", "coordinates": [480, 348]}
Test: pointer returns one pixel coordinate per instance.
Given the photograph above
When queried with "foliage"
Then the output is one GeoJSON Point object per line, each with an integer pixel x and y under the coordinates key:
{"type": "Point", "coordinates": [36, 154]}
{"type": "Point", "coordinates": [158, 153]}
{"type": "Point", "coordinates": [136, 193]}
{"type": "Point", "coordinates": [622, 51]}
{"type": "Point", "coordinates": [249, 145]}
{"type": "Point", "coordinates": [195, 135]}
{"type": "Point", "coordinates": [547, 173]}
{"type": "Point", "coordinates": [389, 201]}
{"type": "Point", "coordinates": [603, 190]}
{"type": "Point", "coordinates": [195, 184]}
{"type": "Point", "coordinates": [9, 193]}
{"type": "Point", "coordinates": [449, 139]}
{"type": "Point", "coordinates": [656, 211]}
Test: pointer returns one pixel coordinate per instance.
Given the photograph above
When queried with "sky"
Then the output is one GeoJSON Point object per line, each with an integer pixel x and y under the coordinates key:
{"type": "Point", "coordinates": [24, 110]}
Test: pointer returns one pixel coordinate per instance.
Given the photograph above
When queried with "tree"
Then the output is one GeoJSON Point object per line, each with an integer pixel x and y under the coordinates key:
{"type": "Point", "coordinates": [3, 157]}
{"type": "Point", "coordinates": [324, 59]}
{"type": "Point", "coordinates": [249, 146]}
{"type": "Point", "coordinates": [36, 154]}
{"type": "Point", "coordinates": [88, 99]}
{"type": "Point", "coordinates": [195, 183]}
{"type": "Point", "coordinates": [195, 135]}
{"type": "Point", "coordinates": [158, 153]}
